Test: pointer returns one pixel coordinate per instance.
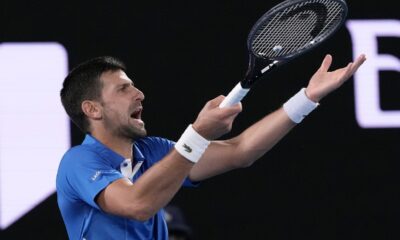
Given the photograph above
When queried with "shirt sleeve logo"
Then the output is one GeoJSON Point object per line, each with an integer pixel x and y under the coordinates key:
{"type": "Point", "coordinates": [95, 176]}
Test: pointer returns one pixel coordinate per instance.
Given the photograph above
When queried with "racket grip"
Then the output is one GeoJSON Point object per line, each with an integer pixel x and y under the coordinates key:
{"type": "Point", "coordinates": [235, 96]}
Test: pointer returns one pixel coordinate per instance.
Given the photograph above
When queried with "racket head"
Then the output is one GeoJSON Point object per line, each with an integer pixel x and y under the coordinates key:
{"type": "Point", "coordinates": [294, 27]}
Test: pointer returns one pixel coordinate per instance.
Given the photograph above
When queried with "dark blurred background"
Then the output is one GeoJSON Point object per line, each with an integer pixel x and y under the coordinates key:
{"type": "Point", "coordinates": [328, 179]}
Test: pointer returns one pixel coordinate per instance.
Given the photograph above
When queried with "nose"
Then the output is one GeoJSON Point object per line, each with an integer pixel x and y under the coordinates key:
{"type": "Point", "coordinates": [139, 95]}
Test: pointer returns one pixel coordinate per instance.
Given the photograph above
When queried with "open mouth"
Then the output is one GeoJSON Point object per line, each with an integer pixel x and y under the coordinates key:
{"type": "Point", "coordinates": [137, 114]}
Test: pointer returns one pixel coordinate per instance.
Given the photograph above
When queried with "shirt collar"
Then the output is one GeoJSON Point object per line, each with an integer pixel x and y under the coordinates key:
{"type": "Point", "coordinates": [114, 158]}
{"type": "Point", "coordinates": [137, 153]}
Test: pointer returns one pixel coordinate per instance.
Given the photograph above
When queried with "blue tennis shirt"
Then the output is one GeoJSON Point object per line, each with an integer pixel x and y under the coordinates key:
{"type": "Point", "coordinates": [86, 170]}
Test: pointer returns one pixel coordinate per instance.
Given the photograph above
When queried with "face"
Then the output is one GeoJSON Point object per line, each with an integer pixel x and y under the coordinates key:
{"type": "Point", "coordinates": [122, 105]}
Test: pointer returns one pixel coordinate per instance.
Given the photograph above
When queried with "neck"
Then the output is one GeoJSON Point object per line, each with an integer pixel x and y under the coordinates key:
{"type": "Point", "coordinates": [122, 146]}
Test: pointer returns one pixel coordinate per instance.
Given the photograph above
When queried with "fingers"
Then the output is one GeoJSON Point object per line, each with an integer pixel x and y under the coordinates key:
{"type": "Point", "coordinates": [234, 110]}
{"type": "Point", "coordinates": [359, 61]}
{"type": "Point", "coordinates": [352, 67]}
{"type": "Point", "coordinates": [231, 110]}
{"type": "Point", "coordinates": [213, 121]}
{"type": "Point", "coordinates": [216, 101]}
{"type": "Point", "coordinates": [326, 63]}
{"type": "Point", "coordinates": [347, 71]}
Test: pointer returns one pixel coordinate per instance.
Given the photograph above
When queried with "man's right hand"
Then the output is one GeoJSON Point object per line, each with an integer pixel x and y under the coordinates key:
{"type": "Point", "coordinates": [213, 121]}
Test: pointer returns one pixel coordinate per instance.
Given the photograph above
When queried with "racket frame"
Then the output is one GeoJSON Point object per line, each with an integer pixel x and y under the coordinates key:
{"type": "Point", "coordinates": [260, 65]}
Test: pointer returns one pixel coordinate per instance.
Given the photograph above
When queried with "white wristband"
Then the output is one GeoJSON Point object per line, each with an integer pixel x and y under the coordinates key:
{"type": "Point", "coordinates": [299, 106]}
{"type": "Point", "coordinates": [191, 145]}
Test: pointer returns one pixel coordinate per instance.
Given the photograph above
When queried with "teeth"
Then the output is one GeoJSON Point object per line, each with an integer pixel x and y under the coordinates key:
{"type": "Point", "coordinates": [136, 114]}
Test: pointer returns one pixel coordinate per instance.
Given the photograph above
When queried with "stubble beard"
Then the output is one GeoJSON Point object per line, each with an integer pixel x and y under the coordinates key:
{"type": "Point", "coordinates": [127, 131]}
{"type": "Point", "coordinates": [133, 132]}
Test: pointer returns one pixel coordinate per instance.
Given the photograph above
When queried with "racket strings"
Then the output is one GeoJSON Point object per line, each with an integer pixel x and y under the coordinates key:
{"type": "Point", "coordinates": [290, 27]}
{"type": "Point", "coordinates": [285, 33]}
{"type": "Point", "coordinates": [293, 31]}
{"type": "Point", "coordinates": [296, 33]}
{"type": "Point", "coordinates": [333, 20]}
{"type": "Point", "coordinates": [271, 26]}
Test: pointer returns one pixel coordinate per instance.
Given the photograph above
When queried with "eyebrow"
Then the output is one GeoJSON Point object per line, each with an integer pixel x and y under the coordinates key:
{"type": "Point", "coordinates": [125, 84]}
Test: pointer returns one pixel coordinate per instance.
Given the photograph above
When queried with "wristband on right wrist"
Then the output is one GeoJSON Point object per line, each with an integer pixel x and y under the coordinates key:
{"type": "Point", "coordinates": [299, 106]}
{"type": "Point", "coordinates": [191, 145]}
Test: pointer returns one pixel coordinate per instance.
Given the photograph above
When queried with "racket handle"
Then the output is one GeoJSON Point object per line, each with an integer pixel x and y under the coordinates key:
{"type": "Point", "coordinates": [235, 96]}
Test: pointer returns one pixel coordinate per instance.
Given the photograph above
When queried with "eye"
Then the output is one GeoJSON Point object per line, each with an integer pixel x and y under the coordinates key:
{"type": "Point", "coordinates": [124, 87]}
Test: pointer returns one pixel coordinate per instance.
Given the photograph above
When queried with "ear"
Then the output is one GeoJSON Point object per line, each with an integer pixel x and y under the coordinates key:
{"type": "Point", "coordinates": [92, 109]}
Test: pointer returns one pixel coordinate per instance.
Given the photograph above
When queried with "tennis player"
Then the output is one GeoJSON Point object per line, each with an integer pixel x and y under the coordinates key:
{"type": "Point", "coordinates": [115, 184]}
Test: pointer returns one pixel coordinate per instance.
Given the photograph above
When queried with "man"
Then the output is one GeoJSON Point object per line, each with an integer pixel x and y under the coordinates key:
{"type": "Point", "coordinates": [116, 183]}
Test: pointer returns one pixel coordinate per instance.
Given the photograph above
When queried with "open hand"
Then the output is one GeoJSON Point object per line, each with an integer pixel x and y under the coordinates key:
{"type": "Point", "coordinates": [324, 82]}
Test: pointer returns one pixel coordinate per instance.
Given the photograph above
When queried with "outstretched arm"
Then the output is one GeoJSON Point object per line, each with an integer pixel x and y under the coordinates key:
{"type": "Point", "coordinates": [255, 141]}
{"type": "Point", "coordinates": [155, 188]}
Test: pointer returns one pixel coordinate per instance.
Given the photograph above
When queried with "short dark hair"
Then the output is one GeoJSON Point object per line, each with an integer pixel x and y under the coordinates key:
{"type": "Point", "coordinates": [83, 83]}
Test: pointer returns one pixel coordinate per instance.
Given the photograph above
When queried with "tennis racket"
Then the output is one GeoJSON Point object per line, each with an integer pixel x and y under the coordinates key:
{"type": "Point", "coordinates": [288, 30]}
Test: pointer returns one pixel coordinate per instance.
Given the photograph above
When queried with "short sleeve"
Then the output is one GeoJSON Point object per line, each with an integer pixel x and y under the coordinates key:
{"type": "Point", "coordinates": [84, 174]}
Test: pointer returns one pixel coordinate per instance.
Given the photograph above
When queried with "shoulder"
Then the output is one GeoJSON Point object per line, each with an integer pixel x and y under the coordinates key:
{"type": "Point", "coordinates": [154, 147]}
{"type": "Point", "coordinates": [81, 161]}
{"type": "Point", "coordinates": [81, 158]}
{"type": "Point", "coordinates": [79, 155]}
{"type": "Point", "coordinates": [153, 141]}
{"type": "Point", "coordinates": [74, 159]}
